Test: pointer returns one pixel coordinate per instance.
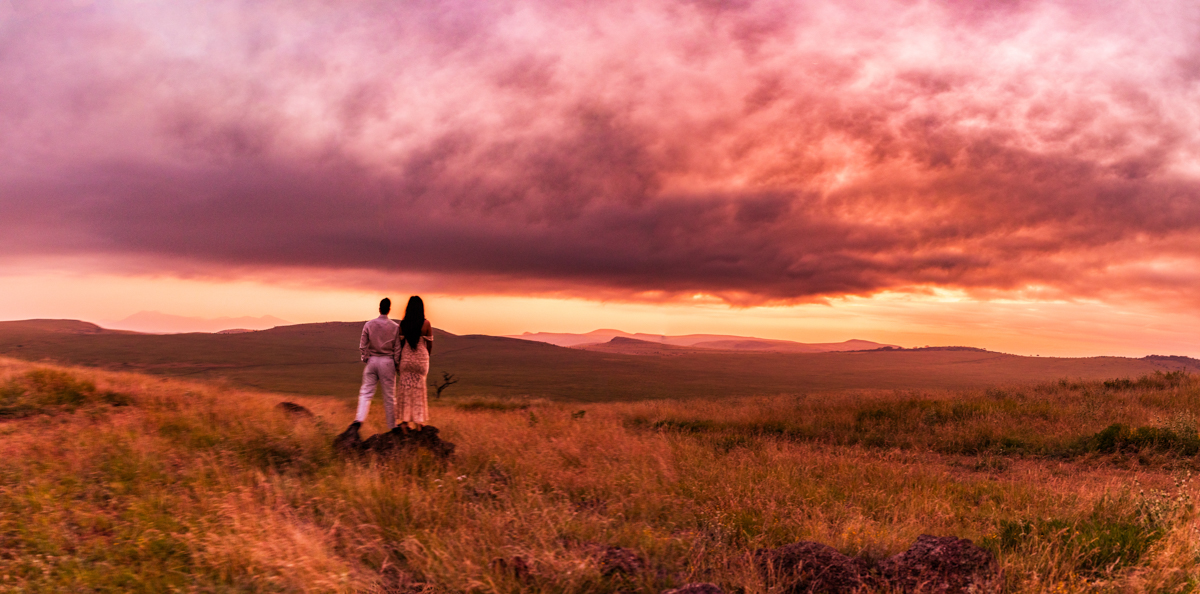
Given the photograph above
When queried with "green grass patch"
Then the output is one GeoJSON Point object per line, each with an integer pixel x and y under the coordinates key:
{"type": "Point", "coordinates": [45, 391]}
{"type": "Point", "coordinates": [1115, 535]}
{"type": "Point", "coordinates": [1098, 546]}
{"type": "Point", "coordinates": [1055, 420]}
{"type": "Point", "coordinates": [1118, 438]}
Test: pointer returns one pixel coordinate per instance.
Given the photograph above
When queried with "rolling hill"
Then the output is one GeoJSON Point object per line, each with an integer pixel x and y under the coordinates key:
{"type": "Point", "coordinates": [160, 323]}
{"type": "Point", "coordinates": [721, 342]}
{"type": "Point", "coordinates": [322, 359]}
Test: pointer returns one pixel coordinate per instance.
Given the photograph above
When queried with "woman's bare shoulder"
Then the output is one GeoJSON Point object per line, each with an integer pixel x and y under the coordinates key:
{"type": "Point", "coordinates": [427, 328]}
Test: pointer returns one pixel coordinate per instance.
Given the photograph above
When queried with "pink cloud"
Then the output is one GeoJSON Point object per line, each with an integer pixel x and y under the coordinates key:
{"type": "Point", "coordinates": [758, 151]}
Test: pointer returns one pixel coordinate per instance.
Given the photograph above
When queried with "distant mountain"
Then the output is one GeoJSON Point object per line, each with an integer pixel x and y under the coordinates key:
{"type": "Point", "coordinates": [323, 359]}
{"type": "Point", "coordinates": [783, 346]}
{"type": "Point", "coordinates": [569, 340]}
{"type": "Point", "coordinates": [937, 348]}
{"type": "Point", "coordinates": [633, 346]}
{"type": "Point", "coordinates": [700, 341]}
{"type": "Point", "coordinates": [154, 322]}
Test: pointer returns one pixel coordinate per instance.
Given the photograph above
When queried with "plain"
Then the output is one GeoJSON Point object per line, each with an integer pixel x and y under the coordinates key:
{"type": "Point", "coordinates": [114, 481]}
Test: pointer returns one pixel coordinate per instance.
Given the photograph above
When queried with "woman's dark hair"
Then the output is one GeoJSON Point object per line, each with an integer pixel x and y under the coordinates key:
{"type": "Point", "coordinates": [414, 321]}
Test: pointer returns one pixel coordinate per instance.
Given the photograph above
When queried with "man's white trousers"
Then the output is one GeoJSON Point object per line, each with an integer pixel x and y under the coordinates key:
{"type": "Point", "coordinates": [378, 370]}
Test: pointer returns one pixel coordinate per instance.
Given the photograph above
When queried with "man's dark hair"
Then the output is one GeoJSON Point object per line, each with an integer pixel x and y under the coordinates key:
{"type": "Point", "coordinates": [385, 306]}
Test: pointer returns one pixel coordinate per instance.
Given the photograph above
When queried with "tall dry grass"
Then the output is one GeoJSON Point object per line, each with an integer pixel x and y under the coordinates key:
{"type": "Point", "coordinates": [123, 482]}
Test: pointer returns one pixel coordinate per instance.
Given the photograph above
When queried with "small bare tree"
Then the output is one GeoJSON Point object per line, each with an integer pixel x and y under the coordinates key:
{"type": "Point", "coordinates": [448, 380]}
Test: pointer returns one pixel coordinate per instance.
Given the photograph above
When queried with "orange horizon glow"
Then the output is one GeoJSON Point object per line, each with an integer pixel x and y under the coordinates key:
{"type": "Point", "coordinates": [1045, 328]}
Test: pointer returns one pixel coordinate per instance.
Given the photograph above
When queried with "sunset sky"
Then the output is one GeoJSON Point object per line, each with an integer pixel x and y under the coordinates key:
{"type": "Point", "coordinates": [1020, 176]}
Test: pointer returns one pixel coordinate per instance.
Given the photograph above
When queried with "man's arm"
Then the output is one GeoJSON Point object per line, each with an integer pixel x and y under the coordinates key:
{"type": "Point", "coordinates": [397, 347]}
{"type": "Point", "coordinates": [364, 342]}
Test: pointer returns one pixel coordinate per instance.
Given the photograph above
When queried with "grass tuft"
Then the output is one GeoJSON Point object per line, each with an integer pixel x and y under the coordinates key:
{"type": "Point", "coordinates": [1099, 544]}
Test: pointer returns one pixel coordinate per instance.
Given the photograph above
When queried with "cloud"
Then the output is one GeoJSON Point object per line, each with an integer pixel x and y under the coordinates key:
{"type": "Point", "coordinates": [758, 151]}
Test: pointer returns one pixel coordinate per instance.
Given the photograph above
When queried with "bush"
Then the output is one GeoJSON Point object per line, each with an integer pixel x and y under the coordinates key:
{"type": "Point", "coordinates": [1121, 438]}
{"type": "Point", "coordinates": [1158, 381]}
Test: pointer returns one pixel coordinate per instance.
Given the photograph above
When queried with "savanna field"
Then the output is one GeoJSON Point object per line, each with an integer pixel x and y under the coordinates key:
{"type": "Point", "coordinates": [123, 482]}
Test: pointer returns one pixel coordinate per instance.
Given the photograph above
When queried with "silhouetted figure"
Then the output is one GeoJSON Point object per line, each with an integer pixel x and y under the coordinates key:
{"type": "Point", "coordinates": [377, 348]}
{"type": "Point", "coordinates": [412, 364]}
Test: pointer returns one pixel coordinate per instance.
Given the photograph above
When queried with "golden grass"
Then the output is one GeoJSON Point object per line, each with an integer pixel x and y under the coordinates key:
{"type": "Point", "coordinates": [201, 488]}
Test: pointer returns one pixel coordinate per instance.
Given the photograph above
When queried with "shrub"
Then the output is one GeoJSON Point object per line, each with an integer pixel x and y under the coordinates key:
{"type": "Point", "coordinates": [1159, 381]}
{"type": "Point", "coordinates": [54, 387]}
{"type": "Point", "coordinates": [1122, 438]}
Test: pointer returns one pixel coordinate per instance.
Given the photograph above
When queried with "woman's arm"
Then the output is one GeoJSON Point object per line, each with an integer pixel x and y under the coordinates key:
{"type": "Point", "coordinates": [427, 330]}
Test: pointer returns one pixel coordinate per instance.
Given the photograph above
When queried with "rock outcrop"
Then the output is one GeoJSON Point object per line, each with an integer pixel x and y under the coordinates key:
{"type": "Point", "coordinates": [614, 560]}
{"type": "Point", "coordinates": [942, 565]}
{"type": "Point", "coordinates": [932, 565]}
{"type": "Point", "coordinates": [398, 440]}
{"type": "Point", "coordinates": [810, 568]}
{"type": "Point", "coordinates": [348, 441]}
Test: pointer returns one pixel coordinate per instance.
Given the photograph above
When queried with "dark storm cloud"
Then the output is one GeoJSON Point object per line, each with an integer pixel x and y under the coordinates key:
{"type": "Point", "coordinates": [752, 150]}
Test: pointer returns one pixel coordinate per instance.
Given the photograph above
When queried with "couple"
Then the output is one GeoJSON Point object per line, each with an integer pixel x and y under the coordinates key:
{"type": "Point", "coordinates": [397, 355]}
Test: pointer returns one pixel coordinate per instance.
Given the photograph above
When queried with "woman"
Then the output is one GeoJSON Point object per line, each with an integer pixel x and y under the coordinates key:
{"type": "Point", "coordinates": [412, 365]}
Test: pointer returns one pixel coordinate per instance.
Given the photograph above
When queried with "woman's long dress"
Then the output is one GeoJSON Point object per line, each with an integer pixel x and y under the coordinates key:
{"type": "Point", "coordinates": [412, 395]}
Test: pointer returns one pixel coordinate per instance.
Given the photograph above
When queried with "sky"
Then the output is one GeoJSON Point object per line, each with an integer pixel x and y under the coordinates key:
{"type": "Point", "coordinates": [1015, 175]}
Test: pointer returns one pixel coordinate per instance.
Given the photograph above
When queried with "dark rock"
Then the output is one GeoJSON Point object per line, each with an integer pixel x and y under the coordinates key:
{"type": "Point", "coordinates": [400, 439]}
{"type": "Point", "coordinates": [943, 565]}
{"type": "Point", "coordinates": [348, 442]}
{"type": "Point", "coordinates": [810, 568]}
{"type": "Point", "coordinates": [615, 560]}
{"type": "Point", "coordinates": [697, 588]}
{"type": "Point", "coordinates": [294, 410]}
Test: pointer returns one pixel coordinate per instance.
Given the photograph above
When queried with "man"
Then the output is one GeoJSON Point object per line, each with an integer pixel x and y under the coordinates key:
{"type": "Point", "coordinates": [377, 347]}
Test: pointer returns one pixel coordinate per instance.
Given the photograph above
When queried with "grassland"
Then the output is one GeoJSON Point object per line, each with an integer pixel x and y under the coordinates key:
{"type": "Point", "coordinates": [126, 482]}
{"type": "Point", "coordinates": [322, 359]}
